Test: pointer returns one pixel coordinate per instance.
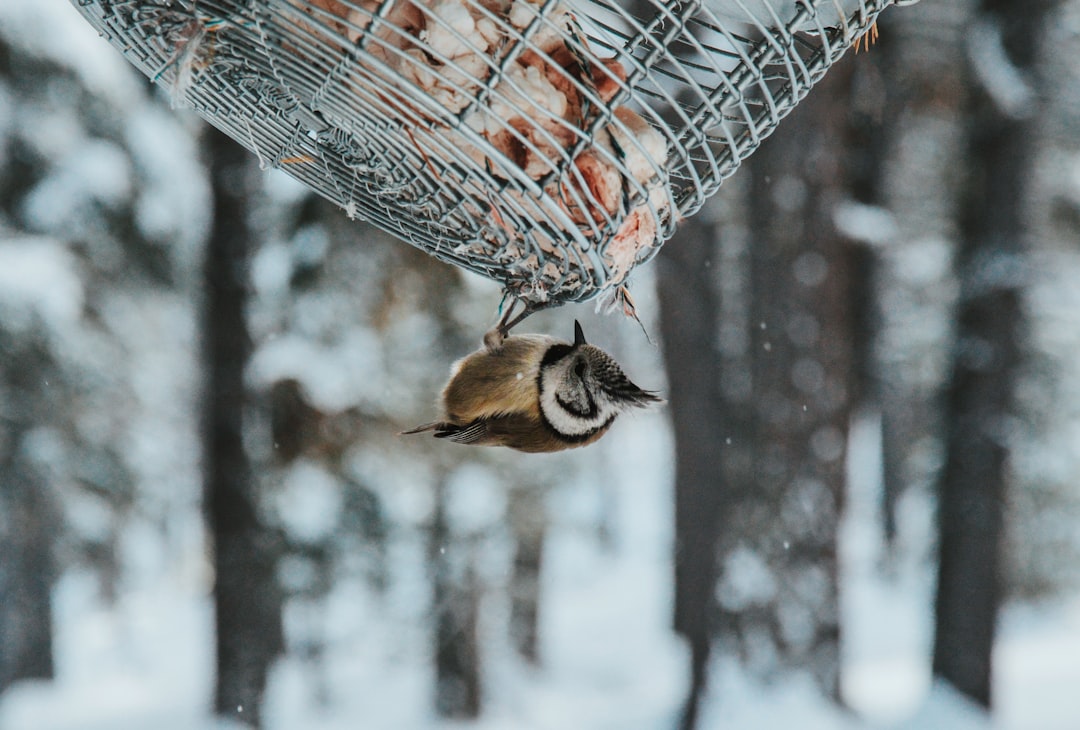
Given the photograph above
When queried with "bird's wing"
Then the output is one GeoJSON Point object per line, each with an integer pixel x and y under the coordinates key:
{"type": "Point", "coordinates": [517, 431]}
{"type": "Point", "coordinates": [471, 433]}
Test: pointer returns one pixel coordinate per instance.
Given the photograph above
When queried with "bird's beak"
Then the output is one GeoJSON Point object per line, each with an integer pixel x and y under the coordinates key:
{"type": "Point", "coordinates": [579, 336]}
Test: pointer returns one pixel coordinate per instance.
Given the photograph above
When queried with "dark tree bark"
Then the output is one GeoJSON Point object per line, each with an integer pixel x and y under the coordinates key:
{"type": "Point", "coordinates": [529, 521]}
{"type": "Point", "coordinates": [27, 572]}
{"type": "Point", "coordinates": [785, 519]}
{"type": "Point", "coordinates": [456, 598]}
{"type": "Point", "coordinates": [870, 134]}
{"type": "Point", "coordinates": [29, 516]}
{"type": "Point", "coordinates": [30, 387]}
{"type": "Point", "coordinates": [689, 314]}
{"type": "Point", "coordinates": [914, 83]}
{"type": "Point", "coordinates": [986, 356]}
{"type": "Point", "coordinates": [247, 598]}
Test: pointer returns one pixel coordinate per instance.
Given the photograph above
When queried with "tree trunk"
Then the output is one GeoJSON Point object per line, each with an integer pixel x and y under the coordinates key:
{"type": "Point", "coordinates": [27, 571]}
{"type": "Point", "coordinates": [986, 355]}
{"type": "Point", "coordinates": [29, 515]}
{"type": "Point", "coordinates": [915, 109]}
{"type": "Point", "coordinates": [247, 598]}
{"type": "Point", "coordinates": [778, 589]}
{"type": "Point", "coordinates": [529, 522]}
{"type": "Point", "coordinates": [456, 598]}
{"type": "Point", "coordinates": [870, 127]}
{"type": "Point", "coordinates": [688, 324]}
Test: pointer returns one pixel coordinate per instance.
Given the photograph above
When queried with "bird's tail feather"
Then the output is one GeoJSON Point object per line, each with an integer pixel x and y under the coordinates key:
{"type": "Point", "coordinates": [426, 427]}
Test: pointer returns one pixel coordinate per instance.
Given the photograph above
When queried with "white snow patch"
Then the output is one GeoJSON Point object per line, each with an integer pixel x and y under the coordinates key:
{"type": "Point", "coordinates": [1001, 79]}
{"type": "Point", "coordinates": [944, 708]}
{"type": "Point", "coordinates": [738, 701]}
{"type": "Point", "coordinates": [866, 223]}
{"type": "Point", "coordinates": [173, 202]}
{"type": "Point", "coordinates": [54, 29]}
{"type": "Point", "coordinates": [96, 171]}
{"type": "Point", "coordinates": [476, 499]}
{"type": "Point", "coordinates": [52, 131]}
{"type": "Point", "coordinates": [404, 486]}
{"type": "Point", "coordinates": [271, 269]}
{"type": "Point", "coordinates": [309, 501]}
{"type": "Point", "coordinates": [1037, 666]}
{"type": "Point", "coordinates": [284, 190]}
{"type": "Point", "coordinates": [335, 376]}
{"type": "Point", "coordinates": [885, 615]}
{"type": "Point", "coordinates": [144, 663]}
{"type": "Point", "coordinates": [38, 275]}
{"type": "Point", "coordinates": [923, 262]}
{"type": "Point", "coordinates": [745, 580]}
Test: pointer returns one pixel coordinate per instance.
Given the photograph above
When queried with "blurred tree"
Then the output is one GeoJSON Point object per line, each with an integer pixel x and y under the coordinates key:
{"type": "Point", "coordinates": [1042, 556]}
{"type": "Point", "coordinates": [907, 110]}
{"type": "Point", "coordinates": [29, 517]}
{"type": "Point", "coordinates": [400, 331]}
{"type": "Point", "coordinates": [762, 373]}
{"type": "Point", "coordinates": [779, 582]}
{"type": "Point", "coordinates": [30, 388]}
{"type": "Point", "coordinates": [871, 131]}
{"type": "Point", "coordinates": [455, 614]}
{"type": "Point", "coordinates": [991, 269]}
{"type": "Point", "coordinates": [689, 315]}
{"type": "Point", "coordinates": [529, 525]}
{"type": "Point", "coordinates": [247, 598]}
{"type": "Point", "coordinates": [76, 253]}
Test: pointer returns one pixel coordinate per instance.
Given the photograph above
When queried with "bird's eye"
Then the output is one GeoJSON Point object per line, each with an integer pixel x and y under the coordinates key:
{"type": "Point", "coordinates": [580, 368]}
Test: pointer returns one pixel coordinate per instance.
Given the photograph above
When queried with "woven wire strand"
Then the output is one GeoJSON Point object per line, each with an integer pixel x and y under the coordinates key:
{"type": "Point", "coordinates": [551, 146]}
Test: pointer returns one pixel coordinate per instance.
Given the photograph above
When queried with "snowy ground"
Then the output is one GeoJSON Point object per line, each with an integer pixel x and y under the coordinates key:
{"type": "Point", "coordinates": [609, 660]}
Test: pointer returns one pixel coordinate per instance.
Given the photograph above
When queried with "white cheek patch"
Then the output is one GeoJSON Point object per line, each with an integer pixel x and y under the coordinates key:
{"type": "Point", "coordinates": [569, 424]}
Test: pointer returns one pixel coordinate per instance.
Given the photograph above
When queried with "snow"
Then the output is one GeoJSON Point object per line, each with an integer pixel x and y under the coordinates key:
{"type": "Point", "coordinates": [476, 499]}
{"type": "Point", "coordinates": [869, 224]}
{"type": "Point", "coordinates": [946, 709]}
{"type": "Point", "coordinates": [271, 269]}
{"type": "Point", "coordinates": [885, 609]}
{"type": "Point", "coordinates": [1002, 80]}
{"type": "Point", "coordinates": [746, 580]}
{"type": "Point", "coordinates": [608, 658]}
{"type": "Point", "coordinates": [739, 701]}
{"type": "Point", "coordinates": [131, 667]}
{"type": "Point", "coordinates": [401, 485]}
{"type": "Point", "coordinates": [38, 276]}
{"type": "Point", "coordinates": [94, 171]}
{"type": "Point", "coordinates": [309, 502]}
{"type": "Point", "coordinates": [173, 194]}
{"type": "Point", "coordinates": [334, 375]}
{"type": "Point", "coordinates": [1037, 661]}
{"type": "Point", "coordinates": [55, 30]}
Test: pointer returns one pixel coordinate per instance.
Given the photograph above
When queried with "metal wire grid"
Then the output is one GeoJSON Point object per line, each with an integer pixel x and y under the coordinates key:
{"type": "Point", "coordinates": [551, 146]}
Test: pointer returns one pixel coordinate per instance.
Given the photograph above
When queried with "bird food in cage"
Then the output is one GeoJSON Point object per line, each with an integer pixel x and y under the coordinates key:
{"type": "Point", "coordinates": [551, 145]}
{"type": "Point", "coordinates": [549, 118]}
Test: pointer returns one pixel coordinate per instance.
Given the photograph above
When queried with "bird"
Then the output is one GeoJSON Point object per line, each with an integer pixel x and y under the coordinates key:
{"type": "Point", "coordinates": [535, 393]}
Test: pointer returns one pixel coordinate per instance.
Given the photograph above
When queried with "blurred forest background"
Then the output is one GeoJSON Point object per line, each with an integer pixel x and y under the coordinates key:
{"type": "Point", "coordinates": [860, 507]}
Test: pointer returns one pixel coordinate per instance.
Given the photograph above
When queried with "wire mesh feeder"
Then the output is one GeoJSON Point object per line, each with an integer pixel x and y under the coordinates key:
{"type": "Point", "coordinates": [551, 145]}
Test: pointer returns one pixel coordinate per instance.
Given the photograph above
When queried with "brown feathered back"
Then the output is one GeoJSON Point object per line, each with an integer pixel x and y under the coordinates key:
{"type": "Point", "coordinates": [486, 384]}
